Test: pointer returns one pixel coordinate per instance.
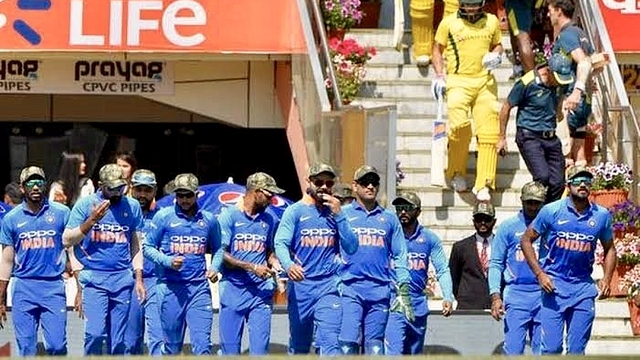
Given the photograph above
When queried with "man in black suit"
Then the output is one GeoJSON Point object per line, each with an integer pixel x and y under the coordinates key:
{"type": "Point", "coordinates": [469, 261]}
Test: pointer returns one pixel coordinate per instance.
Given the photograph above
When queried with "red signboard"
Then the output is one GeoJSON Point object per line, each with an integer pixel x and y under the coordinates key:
{"type": "Point", "coordinates": [621, 17]}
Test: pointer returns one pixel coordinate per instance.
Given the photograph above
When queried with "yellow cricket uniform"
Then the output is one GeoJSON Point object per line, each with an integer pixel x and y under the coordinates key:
{"type": "Point", "coordinates": [422, 15]}
{"type": "Point", "coordinates": [471, 88]}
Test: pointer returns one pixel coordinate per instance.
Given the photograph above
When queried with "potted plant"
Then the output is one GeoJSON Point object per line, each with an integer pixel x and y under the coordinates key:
{"type": "Point", "coordinates": [340, 16]}
{"type": "Point", "coordinates": [627, 254]}
{"type": "Point", "coordinates": [349, 60]}
{"type": "Point", "coordinates": [630, 283]}
{"type": "Point", "coordinates": [626, 218]}
{"type": "Point", "coordinates": [611, 183]}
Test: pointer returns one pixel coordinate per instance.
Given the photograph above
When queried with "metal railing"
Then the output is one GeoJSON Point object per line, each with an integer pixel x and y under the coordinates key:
{"type": "Point", "coordinates": [621, 131]}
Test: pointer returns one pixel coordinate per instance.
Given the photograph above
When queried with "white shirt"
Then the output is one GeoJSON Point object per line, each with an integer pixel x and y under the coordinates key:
{"type": "Point", "coordinates": [479, 241]}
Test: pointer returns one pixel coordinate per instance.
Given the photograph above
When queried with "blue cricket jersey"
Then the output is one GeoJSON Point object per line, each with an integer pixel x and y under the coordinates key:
{"type": "Point", "coordinates": [312, 238]}
{"type": "Point", "coordinates": [570, 38]}
{"type": "Point", "coordinates": [149, 267]}
{"type": "Point", "coordinates": [507, 259]}
{"type": "Point", "coordinates": [171, 233]}
{"type": "Point", "coordinates": [4, 210]}
{"type": "Point", "coordinates": [107, 246]}
{"type": "Point", "coordinates": [424, 246]}
{"type": "Point", "coordinates": [570, 238]}
{"type": "Point", "coordinates": [380, 239]}
{"type": "Point", "coordinates": [37, 240]}
{"type": "Point", "coordinates": [247, 239]}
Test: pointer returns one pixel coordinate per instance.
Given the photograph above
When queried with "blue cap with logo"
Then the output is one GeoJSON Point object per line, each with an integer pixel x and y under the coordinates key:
{"type": "Point", "coordinates": [143, 177]}
{"type": "Point", "coordinates": [561, 67]}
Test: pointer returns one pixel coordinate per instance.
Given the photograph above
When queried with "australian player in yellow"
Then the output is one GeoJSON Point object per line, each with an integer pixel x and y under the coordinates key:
{"type": "Point", "coordinates": [422, 15]}
{"type": "Point", "coordinates": [470, 41]}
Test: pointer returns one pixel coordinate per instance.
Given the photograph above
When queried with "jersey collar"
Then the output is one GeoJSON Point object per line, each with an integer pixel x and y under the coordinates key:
{"type": "Point", "coordinates": [378, 209]}
{"type": "Point", "coordinates": [25, 208]}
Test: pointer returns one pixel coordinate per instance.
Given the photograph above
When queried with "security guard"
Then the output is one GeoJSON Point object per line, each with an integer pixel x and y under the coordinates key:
{"type": "Point", "coordinates": [471, 43]}
{"type": "Point", "coordinates": [536, 96]}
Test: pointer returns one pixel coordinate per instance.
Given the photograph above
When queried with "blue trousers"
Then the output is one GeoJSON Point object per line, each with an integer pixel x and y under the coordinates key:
{"type": "Point", "coordinates": [181, 305]}
{"type": "Point", "coordinates": [522, 318]}
{"type": "Point", "coordinates": [570, 305]}
{"type": "Point", "coordinates": [143, 318]}
{"type": "Point", "coordinates": [544, 160]}
{"type": "Point", "coordinates": [106, 297]}
{"type": "Point", "coordinates": [39, 302]}
{"type": "Point", "coordinates": [240, 304]}
{"type": "Point", "coordinates": [314, 305]}
{"type": "Point", "coordinates": [404, 337]}
{"type": "Point", "coordinates": [365, 311]}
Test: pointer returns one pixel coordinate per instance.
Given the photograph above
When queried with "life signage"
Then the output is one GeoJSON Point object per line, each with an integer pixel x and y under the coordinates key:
{"type": "Point", "coordinates": [210, 26]}
{"type": "Point", "coordinates": [631, 77]}
{"type": "Point", "coordinates": [86, 76]}
{"type": "Point", "coordinates": [621, 18]}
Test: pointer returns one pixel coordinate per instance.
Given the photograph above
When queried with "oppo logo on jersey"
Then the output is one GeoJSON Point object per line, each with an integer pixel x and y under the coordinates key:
{"type": "Point", "coordinates": [370, 236]}
{"type": "Point", "coordinates": [249, 242]}
{"type": "Point", "coordinates": [574, 241]}
{"type": "Point", "coordinates": [37, 239]}
{"type": "Point", "coordinates": [188, 244]}
{"type": "Point", "coordinates": [109, 233]}
{"type": "Point", "coordinates": [417, 261]}
{"type": "Point", "coordinates": [317, 237]}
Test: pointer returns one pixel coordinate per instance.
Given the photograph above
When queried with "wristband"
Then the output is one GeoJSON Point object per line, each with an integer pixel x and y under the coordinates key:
{"type": "Point", "coordinates": [580, 86]}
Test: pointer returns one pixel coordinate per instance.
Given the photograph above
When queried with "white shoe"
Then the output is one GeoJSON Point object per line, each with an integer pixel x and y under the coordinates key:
{"type": "Point", "coordinates": [423, 60]}
{"type": "Point", "coordinates": [482, 194]}
{"type": "Point", "coordinates": [459, 183]}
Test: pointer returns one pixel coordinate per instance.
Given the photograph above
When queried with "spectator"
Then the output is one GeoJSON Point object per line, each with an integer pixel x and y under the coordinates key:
{"type": "Point", "coordinates": [469, 261]}
{"type": "Point", "coordinates": [72, 182]}
{"type": "Point", "coordinates": [13, 194]}
{"type": "Point", "coordinates": [128, 163]}
{"type": "Point", "coordinates": [344, 193]}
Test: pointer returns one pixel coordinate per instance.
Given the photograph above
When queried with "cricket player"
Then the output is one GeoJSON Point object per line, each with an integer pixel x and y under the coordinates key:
{"type": "Point", "coordinates": [572, 42]}
{"type": "Point", "coordinates": [570, 229]}
{"type": "Point", "coordinates": [33, 253]}
{"type": "Point", "coordinates": [311, 235]}
{"type": "Point", "coordinates": [177, 239]}
{"type": "Point", "coordinates": [404, 337]}
{"type": "Point", "coordinates": [536, 97]}
{"type": "Point", "coordinates": [470, 41]}
{"type": "Point", "coordinates": [367, 276]}
{"type": "Point", "coordinates": [105, 230]}
{"type": "Point", "coordinates": [144, 316]}
{"type": "Point", "coordinates": [422, 17]}
{"type": "Point", "coordinates": [250, 264]}
{"type": "Point", "coordinates": [521, 307]}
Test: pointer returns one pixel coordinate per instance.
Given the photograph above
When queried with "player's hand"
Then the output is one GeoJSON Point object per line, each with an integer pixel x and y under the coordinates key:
{"type": "Point", "coordinates": [501, 147]}
{"type": "Point", "coordinates": [262, 271]}
{"type": "Point", "coordinates": [491, 60]}
{"type": "Point", "coordinates": [497, 308]}
{"type": "Point", "coordinates": [275, 265]}
{"type": "Point", "coordinates": [177, 262]}
{"type": "Point", "coordinates": [141, 291]}
{"type": "Point", "coordinates": [332, 203]}
{"type": "Point", "coordinates": [3, 316]}
{"type": "Point", "coordinates": [77, 304]}
{"type": "Point", "coordinates": [605, 288]}
{"type": "Point", "coordinates": [402, 302]}
{"type": "Point", "coordinates": [296, 272]}
{"type": "Point", "coordinates": [438, 87]}
{"type": "Point", "coordinates": [447, 308]}
{"type": "Point", "coordinates": [572, 101]}
{"type": "Point", "coordinates": [546, 283]}
{"type": "Point", "coordinates": [100, 210]}
{"type": "Point", "coordinates": [212, 276]}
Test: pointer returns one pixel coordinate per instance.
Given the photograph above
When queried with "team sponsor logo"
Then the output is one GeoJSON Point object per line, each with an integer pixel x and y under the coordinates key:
{"type": "Point", "coordinates": [37, 239]}
{"type": "Point", "coordinates": [370, 236]}
{"type": "Point", "coordinates": [188, 244]}
{"type": "Point", "coordinates": [110, 233]}
{"type": "Point", "coordinates": [317, 237]}
{"type": "Point", "coordinates": [248, 242]}
{"type": "Point", "coordinates": [575, 241]}
{"type": "Point", "coordinates": [229, 197]}
{"type": "Point", "coordinates": [417, 261]}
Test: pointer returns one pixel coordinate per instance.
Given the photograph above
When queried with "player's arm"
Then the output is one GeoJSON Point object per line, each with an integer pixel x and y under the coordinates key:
{"type": "Point", "coordinates": [399, 251]}
{"type": "Point", "coordinates": [610, 256]}
{"type": "Point", "coordinates": [80, 222]}
{"type": "Point", "coordinates": [215, 244]}
{"type": "Point", "coordinates": [539, 227]}
{"type": "Point", "coordinates": [153, 238]}
{"type": "Point", "coordinates": [514, 99]}
{"type": "Point", "coordinates": [498, 260]}
{"type": "Point", "coordinates": [496, 41]}
{"type": "Point", "coordinates": [440, 263]}
{"type": "Point", "coordinates": [283, 237]}
{"type": "Point", "coordinates": [584, 67]}
{"type": "Point", "coordinates": [437, 54]}
{"type": "Point", "coordinates": [6, 269]}
{"type": "Point", "coordinates": [348, 239]}
{"type": "Point", "coordinates": [455, 267]}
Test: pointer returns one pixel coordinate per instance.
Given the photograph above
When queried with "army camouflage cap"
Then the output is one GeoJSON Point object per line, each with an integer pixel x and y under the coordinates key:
{"type": "Point", "coordinates": [409, 197]}
{"type": "Point", "coordinates": [343, 191]}
{"type": "Point", "coordinates": [319, 168]}
{"type": "Point", "coordinates": [143, 177]}
{"type": "Point", "coordinates": [578, 170]}
{"type": "Point", "coordinates": [484, 208]}
{"type": "Point", "coordinates": [111, 176]}
{"type": "Point", "coordinates": [533, 191]}
{"type": "Point", "coordinates": [186, 182]}
{"type": "Point", "coordinates": [30, 172]}
{"type": "Point", "coordinates": [263, 181]}
{"type": "Point", "coordinates": [365, 170]}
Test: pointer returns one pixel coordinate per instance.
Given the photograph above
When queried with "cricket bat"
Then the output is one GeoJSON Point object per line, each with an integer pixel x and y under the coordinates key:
{"type": "Point", "coordinates": [398, 24]}
{"type": "Point", "coordinates": [439, 147]}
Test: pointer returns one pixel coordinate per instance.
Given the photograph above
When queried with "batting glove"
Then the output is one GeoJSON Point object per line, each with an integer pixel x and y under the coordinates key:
{"type": "Point", "coordinates": [438, 87]}
{"type": "Point", "coordinates": [491, 60]}
{"type": "Point", "coordinates": [402, 302]}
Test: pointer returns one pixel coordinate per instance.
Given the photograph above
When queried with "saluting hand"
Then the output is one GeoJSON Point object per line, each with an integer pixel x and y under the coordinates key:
{"type": "Point", "coordinates": [100, 210]}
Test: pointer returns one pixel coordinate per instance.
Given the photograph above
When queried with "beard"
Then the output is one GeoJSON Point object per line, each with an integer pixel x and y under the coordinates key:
{"type": "Point", "coordinates": [115, 199]}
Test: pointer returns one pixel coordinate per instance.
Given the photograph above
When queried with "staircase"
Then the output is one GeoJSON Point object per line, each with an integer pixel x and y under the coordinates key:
{"type": "Point", "coordinates": [392, 79]}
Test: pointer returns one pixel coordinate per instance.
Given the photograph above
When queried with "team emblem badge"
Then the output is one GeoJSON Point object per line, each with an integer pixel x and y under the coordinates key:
{"type": "Point", "coordinates": [592, 223]}
{"type": "Point", "coordinates": [50, 219]}
{"type": "Point", "coordinates": [381, 218]}
{"type": "Point", "coordinates": [420, 240]}
{"type": "Point", "coordinates": [126, 214]}
{"type": "Point", "coordinates": [201, 223]}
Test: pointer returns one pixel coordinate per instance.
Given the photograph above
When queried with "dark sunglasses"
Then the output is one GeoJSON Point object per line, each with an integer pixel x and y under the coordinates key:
{"type": "Point", "coordinates": [33, 183]}
{"type": "Point", "coordinates": [367, 182]}
{"type": "Point", "coordinates": [320, 183]}
{"type": "Point", "coordinates": [407, 208]}
{"type": "Point", "coordinates": [185, 195]}
{"type": "Point", "coordinates": [482, 219]}
{"type": "Point", "coordinates": [577, 181]}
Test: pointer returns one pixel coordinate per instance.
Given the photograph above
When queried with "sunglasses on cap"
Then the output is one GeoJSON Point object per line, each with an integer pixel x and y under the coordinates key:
{"type": "Point", "coordinates": [34, 182]}
{"type": "Point", "coordinates": [320, 183]}
{"type": "Point", "coordinates": [405, 207]}
{"type": "Point", "coordinates": [579, 180]}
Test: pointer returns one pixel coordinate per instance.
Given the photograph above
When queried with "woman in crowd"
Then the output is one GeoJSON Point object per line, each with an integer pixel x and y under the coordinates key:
{"type": "Point", "coordinates": [128, 163]}
{"type": "Point", "coordinates": [72, 182]}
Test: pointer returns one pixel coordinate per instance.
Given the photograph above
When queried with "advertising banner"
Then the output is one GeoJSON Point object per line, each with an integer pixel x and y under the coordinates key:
{"type": "Point", "coordinates": [631, 76]}
{"type": "Point", "coordinates": [620, 18]}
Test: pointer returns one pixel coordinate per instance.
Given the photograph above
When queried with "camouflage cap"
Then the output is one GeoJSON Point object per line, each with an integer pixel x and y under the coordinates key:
{"type": "Point", "coordinates": [410, 197]}
{"type": "Point", "coordinates": [319, 168]}
{"type": "Point", "coordinates": [143, 177]}
{"type": "Point", "coordinates": [578, 170]}
{"type": "Point", "coordinates": [263, 181]}
{"type": "Point", "coordinates": [533, 191]}
{"type": "Point", "coordinates": [365, 170]}
{"type": "Point", "coordinates": [484, 208]}
{"type": "Point", "coordinates": [186, 182]}
{"type": "Point", "coordinates": [31, 171]}
{"type": "Point", "coordinates": [111, 176]}
{"type": "Point", "coordinates": [342, 191]}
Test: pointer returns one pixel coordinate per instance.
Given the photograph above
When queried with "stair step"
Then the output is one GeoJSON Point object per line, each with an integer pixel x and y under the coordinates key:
{"type": "Point", "coordinates": [446, 197]}
{"type": "Point", "coordinates": [422, 159]}
{"type": "Point", "coordinates": [380, 38]}
{"type": "Point", "coordinates": [424, 123]}
{"type": "Point", "coordinates": [610, 346]}
{"type": "Point", "coordinates": [411, 105]}
{"type": "Point", "coordinates": [381, 71]}
{"type": "Point", "coordinates": [453, 215]}
{"type": "Point", "coordinates": [418, 89]}
{"type": "Point", "coordinates": [422, 140]}
{"type": "Point", "coordinates": [605, 326]}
